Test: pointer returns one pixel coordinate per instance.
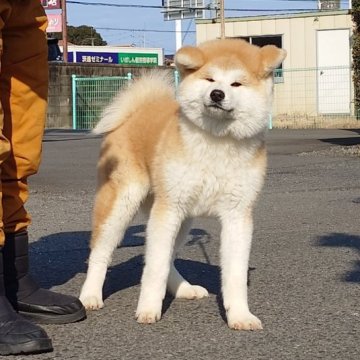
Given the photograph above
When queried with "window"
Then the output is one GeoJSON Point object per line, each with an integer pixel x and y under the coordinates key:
{"type": "Point", "coordinates": [268, 40]}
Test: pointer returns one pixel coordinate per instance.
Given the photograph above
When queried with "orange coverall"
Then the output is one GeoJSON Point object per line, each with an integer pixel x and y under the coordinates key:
{"type": "Point", "coordinates": [23, 95]}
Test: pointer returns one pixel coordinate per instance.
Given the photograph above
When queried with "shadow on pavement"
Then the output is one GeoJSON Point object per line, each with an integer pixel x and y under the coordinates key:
{"type": "Point", "coordinates": [344, 240]}
{"type": "Point", "coordinates": [357, 131]}
{"type": "Point", "coordinates": [57, 258]}
{"type": "Point", "coordinates": [128, 274]}
{"type": "Point", "coordinates": [350, 141]}
{"type": "Point", "coordinates": [345, 141]}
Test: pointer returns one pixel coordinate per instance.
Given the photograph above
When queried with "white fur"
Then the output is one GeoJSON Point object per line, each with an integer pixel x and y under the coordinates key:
{"type": "Point", "coordinates": [216, 179]}
{"type": "Point", "coordinates": [248, 107]}
{"type": "Point", "coordinates": [213, 175]}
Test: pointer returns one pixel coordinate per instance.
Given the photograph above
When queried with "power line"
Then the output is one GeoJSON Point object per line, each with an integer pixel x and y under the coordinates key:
{"type": "Point", "coordinates": [187, 31]}
{"type": "Point", "coordinates": [345, 1]}
{"type": "Point", "coordinates": [139, 30]}
{"type": "Point", "coordinates": [136, 6]}
{"type": "Point", "coordinates": [178, 8]}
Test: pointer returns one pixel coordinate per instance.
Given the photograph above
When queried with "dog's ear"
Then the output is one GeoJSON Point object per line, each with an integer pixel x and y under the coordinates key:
{"type": "Point", "coordinates": [189, 58]}
{"type": "Point", "coordinates": [271, 58]}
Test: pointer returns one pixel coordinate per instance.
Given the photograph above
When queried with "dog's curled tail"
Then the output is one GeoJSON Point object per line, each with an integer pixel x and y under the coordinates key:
{"type": "Point", "coordinates": [150, 86]}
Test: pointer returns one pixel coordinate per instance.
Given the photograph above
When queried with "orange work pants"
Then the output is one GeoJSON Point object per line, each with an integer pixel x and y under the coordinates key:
{"type": "Point", "coordinates": [23, 103]}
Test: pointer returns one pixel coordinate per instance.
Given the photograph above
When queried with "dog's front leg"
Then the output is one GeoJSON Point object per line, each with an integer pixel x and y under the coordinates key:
{"type": "Point", "coordinates": [235, 251]}
{"type": "Point", "coordinates": [162, 229]}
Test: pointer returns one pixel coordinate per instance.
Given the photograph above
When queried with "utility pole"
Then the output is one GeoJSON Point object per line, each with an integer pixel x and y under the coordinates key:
{"type": "Point", "coordinates": [92, 37]}
{"type": "Point", "coordinates": [222, 19]}
{"type": "Point", "coordinates": [178, 34]}
{"type": "Point", "coordinates": [64, 31]}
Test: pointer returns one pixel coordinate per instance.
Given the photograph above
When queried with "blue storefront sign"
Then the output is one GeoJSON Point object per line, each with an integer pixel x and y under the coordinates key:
{"type": "Point", "coordinates": [94, 57]}
{"type": "Point", "coordinates": [130, 59]}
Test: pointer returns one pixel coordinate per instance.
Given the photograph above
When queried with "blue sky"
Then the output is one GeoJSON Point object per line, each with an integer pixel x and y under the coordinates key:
{"type": "Point", "coordinates": [134, 19]}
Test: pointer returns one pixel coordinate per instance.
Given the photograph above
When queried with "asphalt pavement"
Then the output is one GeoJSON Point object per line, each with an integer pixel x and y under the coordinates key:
{"type": "Point", "coordinates": [305, 259]}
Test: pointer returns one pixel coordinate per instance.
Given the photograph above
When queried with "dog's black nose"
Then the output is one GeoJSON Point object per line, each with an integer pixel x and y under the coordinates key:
{"type": "Point", "coordinates": [217, 95]}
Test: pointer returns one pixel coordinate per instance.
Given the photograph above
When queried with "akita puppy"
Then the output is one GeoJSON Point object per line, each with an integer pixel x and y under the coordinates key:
{"type": "Point", "coordinates": [199, 153]}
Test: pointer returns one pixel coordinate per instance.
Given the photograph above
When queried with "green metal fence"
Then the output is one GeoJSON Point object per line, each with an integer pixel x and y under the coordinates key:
{"type": "Point", "coordinates": [314, 98]}
{"type": "Point", "coordinates": [303, 98]}
{"type": "Point", "coordinates": [90, 95]}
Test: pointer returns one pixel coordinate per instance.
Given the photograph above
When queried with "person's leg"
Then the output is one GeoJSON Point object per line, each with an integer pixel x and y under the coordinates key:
{"type": "Point", "coordinates": [24, 87]}
{"type": "Point", "coordinates": [4, 142]}
{"type": "Point", "coordinates": [17, 335]}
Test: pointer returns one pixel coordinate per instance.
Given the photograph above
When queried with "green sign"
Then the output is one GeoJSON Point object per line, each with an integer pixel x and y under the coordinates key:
{"type": "Point", "coordinates": [138, 59]}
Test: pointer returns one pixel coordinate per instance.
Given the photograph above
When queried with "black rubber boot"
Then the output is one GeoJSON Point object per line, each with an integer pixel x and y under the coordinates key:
{"type": "Point", "coordinates": [18, 335]}
{"type": "Point", "coordinates": [40, 305]}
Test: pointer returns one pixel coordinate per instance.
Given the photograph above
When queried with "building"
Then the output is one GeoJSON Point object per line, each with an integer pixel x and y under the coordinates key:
{"type": "Point", "coordinates": [314, 82]}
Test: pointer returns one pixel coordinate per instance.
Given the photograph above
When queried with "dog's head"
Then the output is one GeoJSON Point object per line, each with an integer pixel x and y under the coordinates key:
{"type": "Point", "coordinates": [226, 86]}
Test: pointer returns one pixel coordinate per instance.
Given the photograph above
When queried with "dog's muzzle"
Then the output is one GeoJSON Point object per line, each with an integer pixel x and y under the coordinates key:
{"type": "Point", "coordinates": [217, 96]}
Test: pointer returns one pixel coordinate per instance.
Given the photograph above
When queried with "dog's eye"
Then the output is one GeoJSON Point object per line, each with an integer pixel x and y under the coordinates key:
{"type": "Point", "coordinates": [210, 79]}
{"type": "Point", "coordinates": [236, 84]}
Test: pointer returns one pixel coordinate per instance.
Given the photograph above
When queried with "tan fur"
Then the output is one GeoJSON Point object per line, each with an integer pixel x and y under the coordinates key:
{"type": "Point", "coordinates": [200, 154]}
{"type": "Point", "coordinates": [127, 153]}
{"type": "Point", "coordinates": [230, 53]}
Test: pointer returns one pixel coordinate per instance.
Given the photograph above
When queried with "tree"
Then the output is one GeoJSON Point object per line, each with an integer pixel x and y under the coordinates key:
{"type": "Point", "coordinates": [356, 54]}
{"type": "Point", "coordinates": [82, 35]}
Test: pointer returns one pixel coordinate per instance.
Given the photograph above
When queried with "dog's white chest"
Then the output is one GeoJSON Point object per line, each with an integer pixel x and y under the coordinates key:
{"type": "Point", "coordinates": [212, 182]}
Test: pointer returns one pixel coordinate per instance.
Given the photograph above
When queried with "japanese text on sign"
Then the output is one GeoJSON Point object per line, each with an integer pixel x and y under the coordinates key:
{"type": "Point", "coordinates": [138, 59]}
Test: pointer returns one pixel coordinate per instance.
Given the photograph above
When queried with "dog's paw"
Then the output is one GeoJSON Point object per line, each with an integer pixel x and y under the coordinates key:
{"type": "Point", "coordinates": [243, 321]}
{"type": "Point", "coordinates": [191, 292]}
{"type": "Point", "coordinates": [147, 317]}
{"type": "Point", "coordinates": [149, 308]}
{"type": "Point", "coordinates": [92, 302]}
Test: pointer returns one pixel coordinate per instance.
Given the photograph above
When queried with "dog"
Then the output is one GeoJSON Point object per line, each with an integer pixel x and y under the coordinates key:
{"type": "Point", "coordinates": [199, 153]}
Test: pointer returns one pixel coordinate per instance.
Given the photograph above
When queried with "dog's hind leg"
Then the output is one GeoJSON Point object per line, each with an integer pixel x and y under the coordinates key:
{"type": "Point", "coordinates": [177, 285]}
{"type": "Point", "coordinates": [115, 207]}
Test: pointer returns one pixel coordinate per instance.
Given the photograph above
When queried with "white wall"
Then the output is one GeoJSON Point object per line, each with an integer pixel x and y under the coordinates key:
{"type": "Point", "coordinates": [298, 93]}
{"type": "Point", "coordinates": [298, 32]}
